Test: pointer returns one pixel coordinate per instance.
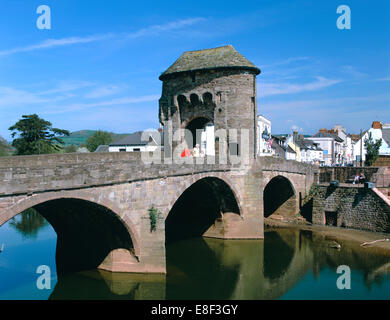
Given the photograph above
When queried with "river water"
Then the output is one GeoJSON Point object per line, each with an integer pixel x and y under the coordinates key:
{"type": "Point", "coordinates": [287, 264]}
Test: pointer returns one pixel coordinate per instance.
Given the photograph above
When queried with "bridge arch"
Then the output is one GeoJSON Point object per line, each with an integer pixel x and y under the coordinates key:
{"type": "Point", "coordinates": [127, 237]}
{"type": "Point", "coordinates": [280, 197]}
{"type": "Point", "coordinates": [200, 202]}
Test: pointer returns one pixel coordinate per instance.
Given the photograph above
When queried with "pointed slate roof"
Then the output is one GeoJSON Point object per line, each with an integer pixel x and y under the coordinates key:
{"type": "Point", "coordinates": [207, 59]}
{"type": "Point", "coordinates": [135, 139]}
{"type": "Point", "coordinates": [386, 135]}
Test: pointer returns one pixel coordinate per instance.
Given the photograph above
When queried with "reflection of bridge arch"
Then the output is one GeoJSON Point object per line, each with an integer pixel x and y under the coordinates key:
{"type": "Point", "coordinates": [278, 254]}
{"type": "Point", "coordinates": [200, 205]}
{"type": "Point", "coordinates": [280, 197]}
{"type": "Point", "coordinates": [81, 244]}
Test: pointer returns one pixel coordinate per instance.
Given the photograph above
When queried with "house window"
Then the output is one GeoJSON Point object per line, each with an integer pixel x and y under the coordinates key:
{"type": "Point", "coordinates": [122, 149]}
{"type": "Point", "coordinates": [137, 149]}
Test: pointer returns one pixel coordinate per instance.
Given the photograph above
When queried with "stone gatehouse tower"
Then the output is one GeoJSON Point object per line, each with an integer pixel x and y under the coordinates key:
{"type": "Point", "coordinates": [211, 87]}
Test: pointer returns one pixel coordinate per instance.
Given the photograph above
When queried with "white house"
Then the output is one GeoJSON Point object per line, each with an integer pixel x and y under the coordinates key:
{"type": "Point", "coordinates": [264, 139]}
{"type": "Point", "coordinates": [281, 149]}
{"type": "Point", "coordinates": [379, 131]}
{"type": "Point", "coordinates": [208, 140]}
{"type": "Point", "coordinates": [135, 143]}
{"type": "Point", "coordinates": [331, 144]}
{"type": "Point", "coordinates": [310, 152]}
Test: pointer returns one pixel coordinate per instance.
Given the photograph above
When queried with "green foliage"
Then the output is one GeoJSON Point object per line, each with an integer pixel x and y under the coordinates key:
{"type": "Point", "coordinates": [312, 193]}
{"type": "Point", "coordinates": [70, 149]}
{"type": "Point", "coordinates": [5, 149]}
{"type": "Point", "coordinates": [28, 223]}
{"type": "Point", "coordinates": [36, 136]}
{"type": "Point", "coordinates": [153, 213]}
{"type": "Point", "coordinates": [372, 148]}
{"type": "Point", "coordinates": [98, 138]}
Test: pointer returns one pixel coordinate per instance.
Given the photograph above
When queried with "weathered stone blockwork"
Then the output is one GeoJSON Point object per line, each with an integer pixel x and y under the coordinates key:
{"type": "Point", "coordinates": [203, 85]}
{"type": "Point", "coordinates": [122, 183]}
{"type": "Point", "coordinates": [352, 207]}
{"type": "Point", "coordinates": [217, 85]}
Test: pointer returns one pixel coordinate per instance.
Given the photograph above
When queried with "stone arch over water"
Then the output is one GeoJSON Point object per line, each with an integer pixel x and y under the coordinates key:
{"type": "Point", "coordinates": [199, 208]}
{"type": "Point", "coordinates": [88, 233]}
{"type": "Point", "coordinates": [279, 197]}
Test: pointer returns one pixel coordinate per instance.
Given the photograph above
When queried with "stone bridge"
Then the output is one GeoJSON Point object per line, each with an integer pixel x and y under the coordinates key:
{"type": "Point", "coordinates": [99, 203]}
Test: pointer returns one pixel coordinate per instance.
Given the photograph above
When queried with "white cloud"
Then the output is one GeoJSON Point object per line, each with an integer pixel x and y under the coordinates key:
{"type": "Point", "coordinates": [11, 97]}
{"type": "Point", "coordinates": [152, 30]}
{"type": "Point", "coordinates": [67, 86]}
{"type": "Point", "coordinates": [296, 128]}
{"type": "Point", "coordinates": [102, 91]}
{"type": "Point", "coordinates": [353, 71]}
{"type": "Point", "coordinates": [268, 89]}
{"type": "Point", "coordinates": [50, 43]}
{"type": "Point", "coordinates": [113, 102]}
{"type": "Point", "coordinates": [384, 79]}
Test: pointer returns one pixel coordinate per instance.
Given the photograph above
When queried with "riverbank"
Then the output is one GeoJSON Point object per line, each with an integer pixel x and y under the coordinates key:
{"type": "Point", "coordinates": [357, 237]}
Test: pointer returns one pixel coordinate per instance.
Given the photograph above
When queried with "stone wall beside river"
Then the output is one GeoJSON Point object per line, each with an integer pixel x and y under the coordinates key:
{"type": "Point", "coordinates": [351, 207]}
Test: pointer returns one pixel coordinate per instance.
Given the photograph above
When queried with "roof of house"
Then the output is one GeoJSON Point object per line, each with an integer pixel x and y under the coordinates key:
{"type": "Point", "coordinates": [386, 135]}
{"type": "Point", "coordinates": [307, 145]}
{"type": "Point", "coordinates": [328, 135]}
{"type": "Point", "coordinates": [279, 149]}
{"type": "Point", "coordinates": [102, 148]}
{"type": "Point", "coordinates": [134, 139]}
{"type": "Point", "coordinates": [214, 58]}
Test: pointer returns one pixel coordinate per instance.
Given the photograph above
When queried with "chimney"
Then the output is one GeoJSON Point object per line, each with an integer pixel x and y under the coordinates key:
{"type": "Point", "coordinates": [295, 136]}
{"type": "Point", "coordinates": [301, 136]}
{"type": "Point", "coordinates": [377, 125]}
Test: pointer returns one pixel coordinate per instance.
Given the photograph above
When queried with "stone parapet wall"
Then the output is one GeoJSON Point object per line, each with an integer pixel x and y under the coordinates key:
{"type": "Point", "coordinates": [383, 161]}
{"type": "Point", "coordinates": [342, 174]}
{"type": "Point", "coordinates": [28, 174]}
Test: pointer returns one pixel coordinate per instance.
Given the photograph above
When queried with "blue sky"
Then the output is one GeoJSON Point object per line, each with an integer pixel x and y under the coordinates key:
{"type": "Point", "coordinates": [98, 65]}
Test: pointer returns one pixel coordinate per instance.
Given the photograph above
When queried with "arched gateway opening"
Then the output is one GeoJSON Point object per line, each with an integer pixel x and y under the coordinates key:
{"type": "Point", "coordinates": [86, 233]}
{"type": "Point", "coordinates": [279, 197]}
{"type": "Point", "coordinates": [199, 208]}
{"type": "Point", "coordinates": [201, 131]}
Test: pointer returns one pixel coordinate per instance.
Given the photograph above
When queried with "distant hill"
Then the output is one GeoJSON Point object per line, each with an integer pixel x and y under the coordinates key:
{"type": "Point", "coordinates": [80, 137]}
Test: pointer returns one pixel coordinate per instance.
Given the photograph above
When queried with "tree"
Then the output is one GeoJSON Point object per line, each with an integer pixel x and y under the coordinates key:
{"type": "Point", "coordinates": [28, 223]}
{"type": "Point", "coordinates": [4, 148]}
{"type": "Point", "coordinates": [70, 149]}
{"type": "Point", "coordinates": [372, 148]}
{"type": "Point", "coordinates": [36, 136]}
{"type": "Point", "coordinates": [98, 138]}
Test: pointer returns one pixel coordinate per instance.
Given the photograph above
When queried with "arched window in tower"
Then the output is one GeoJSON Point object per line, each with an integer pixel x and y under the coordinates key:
{"type": "Point", "coordinates": [194, 99]}
{"type": "Point", "coordinates": [181, 100]}
{"type": "Point", "coordinates": [207, 98]}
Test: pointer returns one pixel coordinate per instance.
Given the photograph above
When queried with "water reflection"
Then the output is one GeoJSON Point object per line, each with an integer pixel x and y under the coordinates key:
{"type": "Point", "coordinates": [203, 268]}
{"type": "Point", "coordinates": [287, 264]}
{"type": "Point", "coordinates": [28, 223]}
{"type": "Point", "coordinates": [99, 284]}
